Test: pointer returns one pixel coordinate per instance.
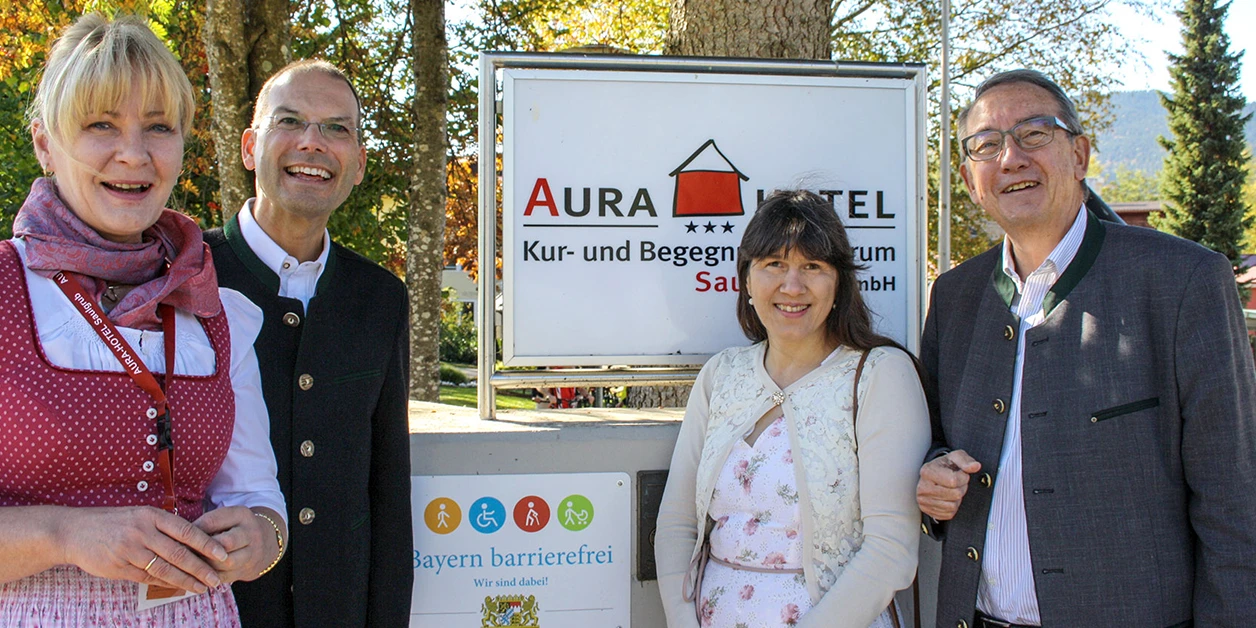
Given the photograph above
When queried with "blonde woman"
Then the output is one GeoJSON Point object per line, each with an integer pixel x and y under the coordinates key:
{"type": "Point", "coordinates": [114, 472]}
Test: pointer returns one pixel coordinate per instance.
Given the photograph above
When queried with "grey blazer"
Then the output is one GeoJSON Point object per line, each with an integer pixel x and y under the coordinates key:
{"type": "Point", "coordinates": [1138, 418]}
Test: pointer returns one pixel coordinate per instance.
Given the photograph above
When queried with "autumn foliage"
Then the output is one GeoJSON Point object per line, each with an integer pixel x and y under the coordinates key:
{"type": "Point", "coordinates": [27, 29]}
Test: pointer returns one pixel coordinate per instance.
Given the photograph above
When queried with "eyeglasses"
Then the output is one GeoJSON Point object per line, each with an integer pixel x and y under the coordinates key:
{"type": "Point", "coordinates": [1031, 134]}
{"type": "Point", "coordinates": [334, 131]}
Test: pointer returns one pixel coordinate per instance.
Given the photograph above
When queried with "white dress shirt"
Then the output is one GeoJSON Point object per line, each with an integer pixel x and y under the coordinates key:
{"type": "Point", "coordinates": [247, 476]}
{"type": "Point", "coordinates": [297, 280]}
{"type": "Point", "coordinates": [1006, 589]}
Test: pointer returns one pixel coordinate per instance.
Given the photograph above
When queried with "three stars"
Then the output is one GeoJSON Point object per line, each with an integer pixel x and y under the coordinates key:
{"type": "Point", "coordinates": [709, 227]}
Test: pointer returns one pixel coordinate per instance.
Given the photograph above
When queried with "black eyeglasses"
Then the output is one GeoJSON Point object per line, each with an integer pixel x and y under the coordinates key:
{"type": "Point", "coordinates": [334, 131]}
{"type": "Point", "coordinates": [1031, 134]}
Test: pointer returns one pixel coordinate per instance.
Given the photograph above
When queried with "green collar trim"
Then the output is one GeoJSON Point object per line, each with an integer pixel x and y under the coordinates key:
{"type": "Point", "coordinates": [1087, 252]}
{"type": "Point", "coordinates": [251, 261]}
{"type": "Point", "coordinates": [1002, 283]}
{"type": "Point", "coordinates": [264, 274]}
{"type": "Point", "coordinates": [1092, 241]}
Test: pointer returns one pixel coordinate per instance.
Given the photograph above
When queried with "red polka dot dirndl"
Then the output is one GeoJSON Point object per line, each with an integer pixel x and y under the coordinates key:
{"type": "Point", "coordinates": [83, 438]}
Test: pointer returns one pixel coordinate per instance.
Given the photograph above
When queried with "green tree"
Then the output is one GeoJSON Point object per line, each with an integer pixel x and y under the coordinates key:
{"type": "Point", "coordinates": [1124, 184]}
{"type": "Point", "coordinates": [1206, 166]}
{"type": "Point", "coordinates": [1249, 197]}
{"type": "Point", "coordinates": [21, 168]}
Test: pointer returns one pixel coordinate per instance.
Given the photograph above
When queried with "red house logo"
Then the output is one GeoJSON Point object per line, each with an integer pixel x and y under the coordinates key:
{"type": "Point", "coordinates": [707, 184]}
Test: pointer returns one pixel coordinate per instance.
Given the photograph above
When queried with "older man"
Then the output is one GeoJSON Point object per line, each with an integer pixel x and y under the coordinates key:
{"type": "Point", "coordinates": [1095, 435]}
{"type": "Point", "coordinates": [334, 355]}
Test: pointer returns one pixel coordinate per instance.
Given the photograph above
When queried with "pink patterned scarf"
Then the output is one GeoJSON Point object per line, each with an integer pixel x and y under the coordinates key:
{"type": "Point", "coordinates": [58, 240]}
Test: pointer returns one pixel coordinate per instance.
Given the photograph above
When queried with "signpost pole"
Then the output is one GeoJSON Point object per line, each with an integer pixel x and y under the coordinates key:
{"type": "Point", "coordinates": [944, 147]}
{"type": "Point", "coordinates": [487, 255]}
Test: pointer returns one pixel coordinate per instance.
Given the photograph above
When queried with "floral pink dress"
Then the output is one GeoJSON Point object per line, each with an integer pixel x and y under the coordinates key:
{"type": "Point", "coordinates": [757, 523]}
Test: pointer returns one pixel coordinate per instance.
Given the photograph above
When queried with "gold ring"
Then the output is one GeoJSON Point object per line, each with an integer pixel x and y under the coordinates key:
{"type": "Point", "coordinates": [150, 563]}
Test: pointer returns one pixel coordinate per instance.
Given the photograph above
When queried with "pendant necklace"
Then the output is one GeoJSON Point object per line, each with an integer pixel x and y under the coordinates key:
{"type": "Point", "coordinates": [112, 295]}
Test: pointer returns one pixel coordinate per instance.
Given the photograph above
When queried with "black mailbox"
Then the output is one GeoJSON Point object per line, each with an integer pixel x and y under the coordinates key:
{"type": "Point", "coordinates": [650, 486]}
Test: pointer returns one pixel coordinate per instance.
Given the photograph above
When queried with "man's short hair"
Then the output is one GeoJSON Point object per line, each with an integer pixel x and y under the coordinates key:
{"type": "Point", "coordinates": [262, 108]}
{"type": "Point", "coordinates": [1068, 111]}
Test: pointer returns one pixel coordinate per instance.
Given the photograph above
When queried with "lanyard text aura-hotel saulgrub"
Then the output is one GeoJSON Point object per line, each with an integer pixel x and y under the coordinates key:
{"type": "Point", "coordinates": [131, 363]}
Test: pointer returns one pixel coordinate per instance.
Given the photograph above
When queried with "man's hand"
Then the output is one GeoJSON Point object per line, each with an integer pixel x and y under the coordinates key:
{"type": "Point", "coordinates": [943, 484]}
{"type": "Point", "coordinates": [249, 540]}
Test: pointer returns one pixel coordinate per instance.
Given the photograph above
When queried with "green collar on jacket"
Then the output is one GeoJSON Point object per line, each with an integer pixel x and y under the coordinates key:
{"type": "Point", "coordinates": [264, 274]}
{"type": "Point", "coordinates": [1092, 241]}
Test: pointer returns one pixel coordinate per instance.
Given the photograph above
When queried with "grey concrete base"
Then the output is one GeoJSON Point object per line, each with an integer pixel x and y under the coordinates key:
{"type": "Point", "coordinates": [448, 440]}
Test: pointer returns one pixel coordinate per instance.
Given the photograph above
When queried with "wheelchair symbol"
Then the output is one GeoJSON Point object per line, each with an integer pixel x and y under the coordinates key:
{"type": "Point", "coordinates": [487, 515]}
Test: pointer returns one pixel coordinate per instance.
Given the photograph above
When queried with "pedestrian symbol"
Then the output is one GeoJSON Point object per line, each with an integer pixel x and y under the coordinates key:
{"type": "Point", "coordinates": [442, 515]}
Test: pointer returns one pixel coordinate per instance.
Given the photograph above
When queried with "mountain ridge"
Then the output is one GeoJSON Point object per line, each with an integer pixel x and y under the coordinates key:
{"type": "Point", "coordinates": [1139, 119]}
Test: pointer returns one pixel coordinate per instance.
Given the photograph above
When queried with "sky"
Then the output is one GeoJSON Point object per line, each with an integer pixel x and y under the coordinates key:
{"type": "Point", "coordinates": [1154, 38]}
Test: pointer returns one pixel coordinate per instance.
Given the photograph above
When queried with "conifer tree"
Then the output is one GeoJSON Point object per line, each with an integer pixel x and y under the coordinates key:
{"type": "Point", "coordinates": [1206, 166]}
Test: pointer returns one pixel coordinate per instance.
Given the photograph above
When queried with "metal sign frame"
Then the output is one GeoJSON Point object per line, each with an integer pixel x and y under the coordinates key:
{"type": "Point", "coordinates": [489, 379]}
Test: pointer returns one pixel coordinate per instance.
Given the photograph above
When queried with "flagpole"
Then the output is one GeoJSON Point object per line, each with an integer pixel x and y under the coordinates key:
{"type": "Point", "coordinates": [944, 147]}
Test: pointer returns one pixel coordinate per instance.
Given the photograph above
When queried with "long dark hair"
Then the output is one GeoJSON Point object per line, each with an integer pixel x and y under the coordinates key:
{"type": "Point", "coordinates": [798, 220]}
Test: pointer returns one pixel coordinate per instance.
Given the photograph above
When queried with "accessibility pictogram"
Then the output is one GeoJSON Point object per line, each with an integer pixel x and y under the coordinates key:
{"type": "Point", "coordinates": [531, 513]}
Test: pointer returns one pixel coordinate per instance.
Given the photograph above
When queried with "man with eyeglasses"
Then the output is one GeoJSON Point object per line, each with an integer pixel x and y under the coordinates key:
{"type": "Point", "coordinates": [334, 356]}
{"type": "Point", "coordinates": [1093, 402]}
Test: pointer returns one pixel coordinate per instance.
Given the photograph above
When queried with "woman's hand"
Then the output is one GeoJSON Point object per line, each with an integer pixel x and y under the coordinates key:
{"type": "Point", "coordinates": [141, 544]}
{"type": "Point", "coordinates": [250, 541]}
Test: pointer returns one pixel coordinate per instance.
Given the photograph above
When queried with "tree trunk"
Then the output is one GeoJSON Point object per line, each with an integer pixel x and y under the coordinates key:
{"type": "Point", "coordinates": [772, 29]}
{"type": "Point", "coordinates": [769, 29]}
{"type": "Point", "coordinates": [425, 247]}
{"type": "Point", "coordinates": [658, 396]}
{"type": "Point", "coordinates": [270, 24]}
{"type": "Point", "coordinates": [245, 42]}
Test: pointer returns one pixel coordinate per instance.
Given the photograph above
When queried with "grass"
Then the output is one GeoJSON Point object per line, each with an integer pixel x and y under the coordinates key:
{"type": "Point", "coordinates": [506, 400]}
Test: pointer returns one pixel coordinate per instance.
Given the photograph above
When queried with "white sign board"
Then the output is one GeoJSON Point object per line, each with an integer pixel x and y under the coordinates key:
{"type": "Point", "coordinates": [626, 194]}
{"type": "Point", "coordinates": [550, 550]}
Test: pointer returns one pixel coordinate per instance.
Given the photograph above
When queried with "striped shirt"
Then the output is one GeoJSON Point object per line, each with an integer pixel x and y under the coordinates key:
{"type": "Point", "coordinates": [1006, 589]}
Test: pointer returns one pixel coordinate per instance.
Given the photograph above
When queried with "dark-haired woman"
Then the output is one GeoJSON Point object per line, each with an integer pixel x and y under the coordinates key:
{"type": "Point", "coordinates": [791, 498]}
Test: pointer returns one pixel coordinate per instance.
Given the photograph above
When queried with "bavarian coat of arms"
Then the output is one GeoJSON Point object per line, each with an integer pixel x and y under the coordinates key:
{"type": "Point", "coordinates": [515, 611]}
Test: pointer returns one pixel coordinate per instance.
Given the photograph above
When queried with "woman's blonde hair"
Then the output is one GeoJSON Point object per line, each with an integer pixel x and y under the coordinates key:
{"type": "Point", "coordinates": [97, 64]}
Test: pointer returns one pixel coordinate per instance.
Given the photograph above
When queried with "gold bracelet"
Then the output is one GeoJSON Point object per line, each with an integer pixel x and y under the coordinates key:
{"type": "Point", "coordinates": [278, 537]}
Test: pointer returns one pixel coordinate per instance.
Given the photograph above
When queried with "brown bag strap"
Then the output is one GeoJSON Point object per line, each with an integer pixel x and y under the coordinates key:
{"type": "Point", "coordinates": [854, 412]}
